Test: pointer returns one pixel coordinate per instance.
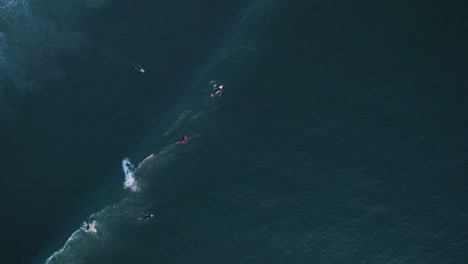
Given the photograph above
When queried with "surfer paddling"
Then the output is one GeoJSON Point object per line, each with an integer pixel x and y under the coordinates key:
{"type": "Point", "coordinates": [138, 67]}
{"type": "Point", "coordinates": [218, 89]}
{"type": "Point", "coordinates": [146, 217]}
{"type": "Point", "coordinates": [182, 140]}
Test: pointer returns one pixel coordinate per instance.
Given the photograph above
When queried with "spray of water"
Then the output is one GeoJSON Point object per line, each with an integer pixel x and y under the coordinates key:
{"type": "Point", "coordinates": [130, 182]}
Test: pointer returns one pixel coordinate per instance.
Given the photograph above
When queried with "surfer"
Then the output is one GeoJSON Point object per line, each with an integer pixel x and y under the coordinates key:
{"type": "Point", "coordinates": [89, 227]}
{"type": "Point", "coordinates": [148, 216]}
{"type": "Point", "coordinates": [217, 90]}
{"type": "Point", "coordinates": [182, 140]}
{"type": "Point", "coordinates": [138, 67]}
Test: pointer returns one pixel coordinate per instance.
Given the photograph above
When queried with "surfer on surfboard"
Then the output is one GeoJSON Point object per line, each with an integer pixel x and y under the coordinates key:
{"type": "Point", "coordinates": [217, 90]}
{"type": "Point", "coordinates": [138, 67]}
{"type": "Point", "coordinates": [182, 140]}
{"type": "Point", "coordinates": [146, 217]}
{"type": "Point", "coordinates": [89, 227]}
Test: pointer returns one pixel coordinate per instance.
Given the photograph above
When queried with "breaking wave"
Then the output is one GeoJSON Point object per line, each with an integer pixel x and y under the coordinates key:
{"type": "Point", "coordinates": [130, 182]}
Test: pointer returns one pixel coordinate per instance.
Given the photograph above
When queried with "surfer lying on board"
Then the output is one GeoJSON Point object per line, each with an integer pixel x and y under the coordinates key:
{"type": "Point", "coordinates": [146, 217]}
{"type": "Point", "coordinates": [182, 140]}
{"type": "Point", "coordinates": [138, 67]}
{"type": "Point", "coordinates": [217, 90]}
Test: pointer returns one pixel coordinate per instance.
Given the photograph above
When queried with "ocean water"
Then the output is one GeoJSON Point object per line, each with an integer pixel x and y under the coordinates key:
{"type": "Point", "coordinates": [340, 135]}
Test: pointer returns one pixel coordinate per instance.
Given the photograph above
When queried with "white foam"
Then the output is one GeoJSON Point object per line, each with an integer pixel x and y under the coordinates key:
{"type": "Point", "coordinates": [91, 228]}
{"type": "Point", "coordinates": [66, 253]}
{"type": "Point", "coordinates": [145, 160]}
{"type": "Point", "coordinates": [177, 123]}
{"type": "Point", "coordinates": [58, 252]}
{"type": "Point", "coordinates": [130, 182]}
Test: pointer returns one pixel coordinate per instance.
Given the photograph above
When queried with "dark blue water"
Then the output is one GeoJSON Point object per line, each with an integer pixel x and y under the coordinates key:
{"type": "Point", "coordinates": [340, 136]}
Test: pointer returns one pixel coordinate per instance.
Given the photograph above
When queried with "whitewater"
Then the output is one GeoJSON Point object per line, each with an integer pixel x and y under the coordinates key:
{"type": "Point", "coordinates": [91, 227]}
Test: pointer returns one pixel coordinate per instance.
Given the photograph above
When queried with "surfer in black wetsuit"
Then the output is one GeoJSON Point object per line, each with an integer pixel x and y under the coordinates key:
{"type": "Point", "coordinates": [87, 226]}
{"type": "Point", "coordinates": [146, 216]}
{"type": "Point", "coordinates": [138, 67]}
{"type": "Point", "coordinates": [129, 166]}
{"type": "Point", "coordinates": [217, 90]}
